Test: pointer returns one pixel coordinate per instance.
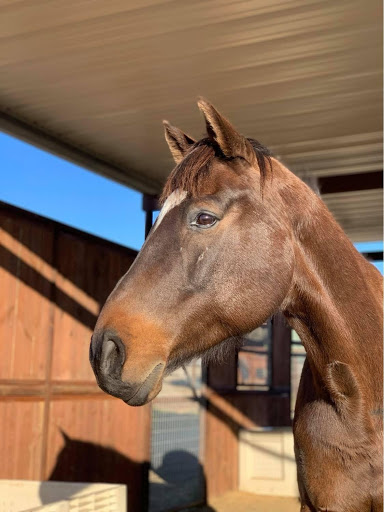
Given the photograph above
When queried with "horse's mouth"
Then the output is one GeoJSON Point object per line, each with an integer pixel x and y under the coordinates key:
{"type": "Point", "coordinates": [149, 389]}
{"type": "Point", "coordinates": [132, 393]}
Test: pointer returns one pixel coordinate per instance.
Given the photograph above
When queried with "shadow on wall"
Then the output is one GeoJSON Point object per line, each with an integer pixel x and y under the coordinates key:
{"type": "Point", "coordinates": [81, 461]}
{"type": "Point", "coordinates": [85, 462]}
{"type": "Point", "coordinates": [179, 481]}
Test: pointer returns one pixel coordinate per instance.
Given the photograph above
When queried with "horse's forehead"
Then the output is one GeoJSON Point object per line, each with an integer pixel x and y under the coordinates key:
{"type": "Point", "coordinates": [173, 200]}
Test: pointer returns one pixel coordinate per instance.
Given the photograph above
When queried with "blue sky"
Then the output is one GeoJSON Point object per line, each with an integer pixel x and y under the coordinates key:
{"type": "Point", "coordinates": [45, 184]}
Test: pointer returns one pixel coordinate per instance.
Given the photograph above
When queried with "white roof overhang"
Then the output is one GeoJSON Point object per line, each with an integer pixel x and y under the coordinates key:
{"type": "Point", "coordinates": [92, 81]}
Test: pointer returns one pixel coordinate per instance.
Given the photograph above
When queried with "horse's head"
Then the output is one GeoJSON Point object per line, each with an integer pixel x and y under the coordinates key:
{"type": "Point", "coordinates": [216, 264]}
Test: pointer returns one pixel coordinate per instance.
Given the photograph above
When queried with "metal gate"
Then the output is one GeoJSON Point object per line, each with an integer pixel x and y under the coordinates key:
{"type": "Point", "coordinates": [176, 474]}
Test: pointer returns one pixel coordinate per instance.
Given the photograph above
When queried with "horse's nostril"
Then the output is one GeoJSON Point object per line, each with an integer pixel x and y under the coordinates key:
{"type": "Point", "coordinates": [112, 356]}
{"type": "Point", "coordinates": [107, 354]}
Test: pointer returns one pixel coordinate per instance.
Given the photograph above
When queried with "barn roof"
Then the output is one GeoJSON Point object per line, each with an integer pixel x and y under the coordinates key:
{"type": "Point", "coordinates": [92, 81]}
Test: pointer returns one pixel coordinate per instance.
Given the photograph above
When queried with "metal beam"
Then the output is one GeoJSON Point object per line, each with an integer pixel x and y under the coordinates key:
{"type": "Point", "coordinates": [350, 182]}
{"type": "Point", "coordinates": [373, 256]}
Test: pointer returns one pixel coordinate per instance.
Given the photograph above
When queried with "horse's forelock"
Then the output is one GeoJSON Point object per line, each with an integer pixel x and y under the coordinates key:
{"type": "Point", "coordinates": [188, 173]}
{"type": "Point", "coordinates": [196, 165]}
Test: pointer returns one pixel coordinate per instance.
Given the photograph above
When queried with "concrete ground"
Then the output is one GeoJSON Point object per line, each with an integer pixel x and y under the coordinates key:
{"type": "Point", "coordinates": [246, 502]}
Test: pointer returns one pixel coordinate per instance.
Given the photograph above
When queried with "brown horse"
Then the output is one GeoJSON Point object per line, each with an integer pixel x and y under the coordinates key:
{"type": "Point", "coordinates": [239, 238]}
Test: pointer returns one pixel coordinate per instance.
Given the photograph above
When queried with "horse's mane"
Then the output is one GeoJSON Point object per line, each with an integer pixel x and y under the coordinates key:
{"type": "Point", "coordinates": [196, 165]}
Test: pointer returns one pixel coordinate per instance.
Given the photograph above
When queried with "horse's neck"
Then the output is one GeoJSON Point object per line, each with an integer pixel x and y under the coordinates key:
{"type": "Point", "coordinates": [335, 302]}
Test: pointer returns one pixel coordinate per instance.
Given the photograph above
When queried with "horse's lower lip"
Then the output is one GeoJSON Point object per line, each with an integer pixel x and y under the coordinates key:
{"type": "Point", "coordinates": [141, 397]}
{"type": "Point", "coordinates": [148, 389]}
{"type": "Point", "coordinates": [133, 393]}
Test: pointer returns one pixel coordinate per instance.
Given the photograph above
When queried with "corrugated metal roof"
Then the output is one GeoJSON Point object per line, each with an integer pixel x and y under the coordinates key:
{"type": "Point", "coordinates": [302, 76]}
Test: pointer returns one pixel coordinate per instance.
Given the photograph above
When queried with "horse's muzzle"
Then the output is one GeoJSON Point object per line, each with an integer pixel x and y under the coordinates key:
{"type": "Point", "coordinates": [107, 355]}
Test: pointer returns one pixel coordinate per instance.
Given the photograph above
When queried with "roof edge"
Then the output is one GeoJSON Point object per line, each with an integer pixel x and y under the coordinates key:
{"type": "Point", "coordinates": [38, 137]}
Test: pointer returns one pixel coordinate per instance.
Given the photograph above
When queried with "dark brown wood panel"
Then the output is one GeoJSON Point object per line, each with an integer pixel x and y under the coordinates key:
{"type": "Point", "coordinates": [223, 376]}
{"type": "Point", "coordinates": [281, 355]}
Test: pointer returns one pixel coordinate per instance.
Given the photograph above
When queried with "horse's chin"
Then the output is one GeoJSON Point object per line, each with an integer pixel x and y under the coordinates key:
{"type": "Point", "coordinates": [152, 386]}
{"type": "Point", "coordinates": [144, 394]}
{"type": "Point", "coordinates": [142, 399]}
{"type": "Point", "coordinates": [217, 353]}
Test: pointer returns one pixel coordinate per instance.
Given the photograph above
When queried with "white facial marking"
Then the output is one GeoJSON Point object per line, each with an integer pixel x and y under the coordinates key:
{"type": "Point", "coordinates": [173, 200]}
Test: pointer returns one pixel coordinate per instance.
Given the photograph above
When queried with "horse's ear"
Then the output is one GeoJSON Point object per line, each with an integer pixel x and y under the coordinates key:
{"type": "Point", "coordinates": [179, 142]}
{"type": "Point", "coordinates": [220, 130]}
{"type": "Point", "coordinates": [65, 436]}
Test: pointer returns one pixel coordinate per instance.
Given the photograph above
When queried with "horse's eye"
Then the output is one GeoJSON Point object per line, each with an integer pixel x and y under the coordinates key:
{"type": "Point", "coordinates": [205, 219]}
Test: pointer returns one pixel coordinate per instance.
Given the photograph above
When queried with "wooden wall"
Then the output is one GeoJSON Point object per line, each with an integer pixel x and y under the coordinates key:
{"type": "Point", "coordinates": [55, 423]}
{"type": "Point", "coordinates": [228, 410]}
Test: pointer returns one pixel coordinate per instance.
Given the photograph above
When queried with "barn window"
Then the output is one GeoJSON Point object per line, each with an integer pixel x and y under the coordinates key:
{"type": "Point", "coordinates": [254, 359]}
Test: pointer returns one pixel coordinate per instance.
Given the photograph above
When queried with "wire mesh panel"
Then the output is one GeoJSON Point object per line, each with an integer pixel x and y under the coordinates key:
{"type": "Point", "coordinates": [176, 476]}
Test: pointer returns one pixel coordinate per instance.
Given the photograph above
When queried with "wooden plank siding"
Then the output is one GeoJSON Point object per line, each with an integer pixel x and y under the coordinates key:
{"type": "Point", "coordinates": [55, 421]}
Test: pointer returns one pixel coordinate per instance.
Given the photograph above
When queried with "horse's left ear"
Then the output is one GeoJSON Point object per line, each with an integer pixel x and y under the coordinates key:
{"type": "Point", "coordinates": [179, 142]}
{"type": "Point", "coordinates": [220, 130]}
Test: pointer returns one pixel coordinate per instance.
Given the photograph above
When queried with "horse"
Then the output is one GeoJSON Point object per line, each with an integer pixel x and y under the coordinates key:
{"type": "Point", "coordinates": [238, 239]}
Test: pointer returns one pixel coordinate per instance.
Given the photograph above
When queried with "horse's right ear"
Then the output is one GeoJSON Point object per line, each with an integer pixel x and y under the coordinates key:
{"type": "Point", "coordinates": [231, 143]}
{"type": "Point", "coordinates": [179, 142]}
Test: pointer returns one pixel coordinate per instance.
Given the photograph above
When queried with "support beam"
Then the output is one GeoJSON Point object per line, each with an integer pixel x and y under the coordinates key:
{"type": "Point", "coordinates": [350, 182]}
{"type": "Point", "coordinates": [150, 204]}
{"type": "Point", "coordinates": [373, 256]}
